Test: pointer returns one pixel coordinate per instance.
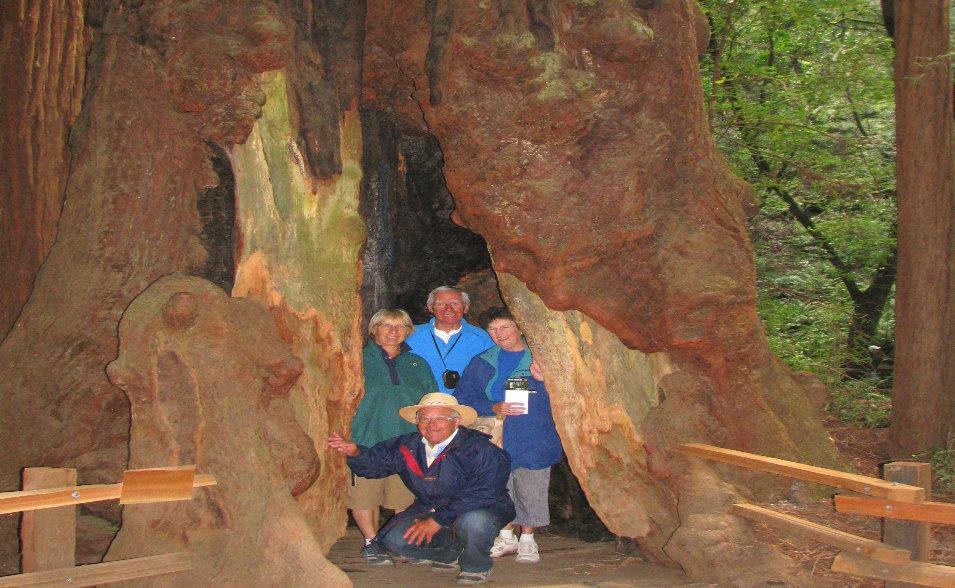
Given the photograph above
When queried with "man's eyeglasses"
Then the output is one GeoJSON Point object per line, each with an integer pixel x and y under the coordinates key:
{"type": "Point", "coordinates": [454, 304]}
{"type": "Point", "coordinates": [424, 420]}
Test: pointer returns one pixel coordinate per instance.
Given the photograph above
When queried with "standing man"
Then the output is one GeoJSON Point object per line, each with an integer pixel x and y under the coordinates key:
{"type": "Point", "coordinates": [459, 479]}
{"type": "Point", "coordinates": [448, 342]}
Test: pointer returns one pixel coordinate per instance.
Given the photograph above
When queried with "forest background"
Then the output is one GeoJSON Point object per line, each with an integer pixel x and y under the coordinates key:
{"type": "Point", "coordinates": [800, 96]}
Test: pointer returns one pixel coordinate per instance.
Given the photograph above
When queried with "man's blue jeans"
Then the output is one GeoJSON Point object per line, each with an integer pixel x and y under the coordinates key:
{"type": "Point", "coordinates": [470, 543]}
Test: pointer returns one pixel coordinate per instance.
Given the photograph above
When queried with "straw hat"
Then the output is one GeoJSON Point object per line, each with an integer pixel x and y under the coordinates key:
{"type": "Point", "coordinates": [467, 413]}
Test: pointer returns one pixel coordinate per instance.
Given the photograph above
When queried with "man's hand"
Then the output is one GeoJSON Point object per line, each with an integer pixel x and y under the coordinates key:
{"type": "Point", "coordinates": [422, 531]}
{"type": "Point", "coordinates": [345, 446]}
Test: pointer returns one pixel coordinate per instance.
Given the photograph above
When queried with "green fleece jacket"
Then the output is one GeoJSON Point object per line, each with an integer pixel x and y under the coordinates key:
{"type": "Point", "coordinates": [389, 385]}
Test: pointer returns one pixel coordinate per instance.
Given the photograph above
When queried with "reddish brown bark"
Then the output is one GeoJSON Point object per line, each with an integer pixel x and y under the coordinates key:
{"type": "Point", "coordinates": [42, 70]}
{"type": "Point", "coordinates": [923, 397]}
{"type": "Point", "coordinates": [589, 168]}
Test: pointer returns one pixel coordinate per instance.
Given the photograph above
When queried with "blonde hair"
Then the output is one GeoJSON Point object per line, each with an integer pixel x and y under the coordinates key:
{"type": "Point", "coordinates": [389, 314]}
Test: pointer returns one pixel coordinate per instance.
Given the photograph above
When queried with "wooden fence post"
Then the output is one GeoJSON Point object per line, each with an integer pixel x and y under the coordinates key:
{"type": "Point", "coordinates": [911, 535]}
{"type": "Point", "coordinates": [48, 536]}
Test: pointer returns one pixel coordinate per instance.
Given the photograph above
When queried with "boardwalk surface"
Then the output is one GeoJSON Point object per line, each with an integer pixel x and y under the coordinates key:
{"type": "Point", "coordinates": [564, 562]}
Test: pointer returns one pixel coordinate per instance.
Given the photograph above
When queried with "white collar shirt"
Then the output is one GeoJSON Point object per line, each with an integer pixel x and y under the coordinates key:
{"type": "Point", "coordinates": [432, 452]}
{"type": "Point", "coordinates": [446, 335]}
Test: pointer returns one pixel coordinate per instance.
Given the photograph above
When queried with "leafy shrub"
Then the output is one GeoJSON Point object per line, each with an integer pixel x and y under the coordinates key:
{"type": "Point", "coordinates": [943, 469]}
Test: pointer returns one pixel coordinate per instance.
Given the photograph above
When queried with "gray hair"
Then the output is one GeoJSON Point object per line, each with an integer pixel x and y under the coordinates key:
{"type": "Point", "coordinates": [389, 314]}
{"type": "Point", "coordinates": [465, 299]}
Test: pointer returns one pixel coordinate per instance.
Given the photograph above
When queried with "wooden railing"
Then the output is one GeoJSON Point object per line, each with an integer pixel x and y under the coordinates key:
{"type": "Point", "coordinates": [903, 499]}
{"type": "Point", "coordinates": [48, 528]}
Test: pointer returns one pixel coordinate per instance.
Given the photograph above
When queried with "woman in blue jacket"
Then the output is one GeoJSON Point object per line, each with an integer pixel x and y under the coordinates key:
{"type": "Point", "coordinates": [530, 437]}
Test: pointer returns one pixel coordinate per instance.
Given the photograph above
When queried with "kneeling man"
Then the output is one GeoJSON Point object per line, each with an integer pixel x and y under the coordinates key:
{"type": "Point", "coordinates": [458, 477]}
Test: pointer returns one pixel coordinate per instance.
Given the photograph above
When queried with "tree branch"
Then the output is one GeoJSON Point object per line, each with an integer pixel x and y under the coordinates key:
{"type": "Point", "coordinates": [806, 221]}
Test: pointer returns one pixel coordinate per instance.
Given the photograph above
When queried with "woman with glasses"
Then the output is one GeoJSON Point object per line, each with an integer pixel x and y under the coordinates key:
{"type": "Point", "coordinates": [496, 382]}
{"type": "Point", "coordinates": [394, 377]}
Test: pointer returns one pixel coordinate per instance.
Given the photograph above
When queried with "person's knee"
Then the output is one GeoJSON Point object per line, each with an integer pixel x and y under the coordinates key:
{"type": "Point", "coordinates": [393, 540]}
{"type": "Point", "coordinates": [477, 522]}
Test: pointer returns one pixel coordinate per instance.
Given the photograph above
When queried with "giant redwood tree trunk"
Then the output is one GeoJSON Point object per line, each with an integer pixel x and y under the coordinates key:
{"type": "Point", "coordinates": [574, 142]}
{"type": "Point", "coordinates": [923, 397]}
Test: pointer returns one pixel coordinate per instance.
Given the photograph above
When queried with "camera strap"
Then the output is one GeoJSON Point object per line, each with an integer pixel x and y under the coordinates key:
{"type": "Point", "coordinates": [436, 348]}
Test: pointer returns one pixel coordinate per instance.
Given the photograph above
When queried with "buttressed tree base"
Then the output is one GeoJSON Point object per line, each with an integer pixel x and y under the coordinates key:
{"type": "Point", "coordinates": [573, 141]}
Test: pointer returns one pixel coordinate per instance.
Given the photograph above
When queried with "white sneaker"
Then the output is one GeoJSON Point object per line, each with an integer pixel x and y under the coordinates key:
{"type": "Point", "coordinates": [503, 546]}
{"type": "Point", "coordinates": [527, 552]}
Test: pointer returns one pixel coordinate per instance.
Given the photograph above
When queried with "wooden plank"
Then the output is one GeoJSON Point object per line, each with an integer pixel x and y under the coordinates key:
{"type": "Point", "coordinates": [856, 483]}
{"type": "Point", "coordinates": [157, 485]}
{"type": "Point", "coordinates": [48, 537]}
{"type": "Point", "coordinates": [942, 513]}
{"type": "Point", "coordinates": [912, 535]}
{"type": "Point", "coordinates": [914, 572]}
{"type": "Point", "coordinates": [114, 571]}
{"type": "Point", "coordinates": [846, 541]}
{"type": "Point", "coordinates": [26, 500]}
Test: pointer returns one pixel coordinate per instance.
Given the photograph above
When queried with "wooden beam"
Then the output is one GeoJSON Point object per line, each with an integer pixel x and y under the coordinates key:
{"type": "Point", "coordinates": [94, 574]}
{"type": "Point", "coordinates": [157, 485]}
{"type": "Point", "coordinates": [26, 500]}
{"type": "Point", "coordinates": [856, 483]}
{"type": "Point", "coordinates": [846, 541]}
{"type": "Point", "coordinates": [912, 535]}
{"type": "Point", "coordinates": [48, 537]}
{"type": "Point", "coordinates": [942, 513]}
{"type": "Point", "coordinates": [913, 572]}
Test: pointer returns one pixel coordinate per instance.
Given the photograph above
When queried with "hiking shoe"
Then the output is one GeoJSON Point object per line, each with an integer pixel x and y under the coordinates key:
{"type": "Point", "coordinates": [375, 555]}
{"type": "Point", "coordinates": [473, 578]}
{"type": "Point", "coordinates": [503, 546]}
{"type": "Point", "coordinates": [438, 566]}
{"type": "Point", "coordinates": [527, 552]}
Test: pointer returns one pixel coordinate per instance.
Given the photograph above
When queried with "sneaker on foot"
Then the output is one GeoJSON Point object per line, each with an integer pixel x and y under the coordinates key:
{"type": "Point", "coordinates": [503, 546]}
{"type": "Point", "coordinates": [375, 555]}
{"type": "Point", "coordinates": [527, 552]}
{"type": "Point", "coordinates": [437, 566]}
{"type": "Point", "coordinates": [473, 578]}
{"type": "Point", "coordinates": [417, 561]}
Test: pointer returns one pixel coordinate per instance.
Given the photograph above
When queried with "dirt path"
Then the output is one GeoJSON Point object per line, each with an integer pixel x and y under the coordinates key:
{"type": "Point", "coordinates": [564, 562]}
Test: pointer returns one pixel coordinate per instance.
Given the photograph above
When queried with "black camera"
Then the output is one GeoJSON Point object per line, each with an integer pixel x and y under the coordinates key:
{"type": "Point", "coordinates": [450, 378]}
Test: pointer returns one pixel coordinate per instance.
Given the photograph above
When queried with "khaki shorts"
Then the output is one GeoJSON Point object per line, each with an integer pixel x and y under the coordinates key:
{"type": "Point", "coordinates": [369, 494]}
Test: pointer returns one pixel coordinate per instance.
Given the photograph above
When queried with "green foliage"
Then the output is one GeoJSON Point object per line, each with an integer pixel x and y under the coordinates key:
{"type": "Point", "coordinates": [859, 403]}
{"type": "Point", "coordinates": [943, 469]}
{"type": "Point", "coordinates": [801, 100]}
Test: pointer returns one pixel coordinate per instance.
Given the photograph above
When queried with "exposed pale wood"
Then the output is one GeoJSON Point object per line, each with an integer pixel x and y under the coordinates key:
{"type": "Point", "coordinates": [942, 513]}
{"type": "Point", "coordinates": [914, 572]}
{"type": "Point", "coordinates": [54, 497]}
{"type": "Point", "coordinates": [157, 485]}
{"type": "Point", "coordinates": [48, 537]}
{"type": "Point", "coordinates": [846, 541]}
{"type": "Point", "coordinates": [114, 571]}
{"type": "Point", "coordinates": [911, 535]}
{"type": "Point", "coordinates": [856, 483]}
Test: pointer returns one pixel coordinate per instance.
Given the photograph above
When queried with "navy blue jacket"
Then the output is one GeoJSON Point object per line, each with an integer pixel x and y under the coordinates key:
{"type": "Point", "coordinates": [470, 474]}
{"type": "Point", "coordinates": [530, 439]}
